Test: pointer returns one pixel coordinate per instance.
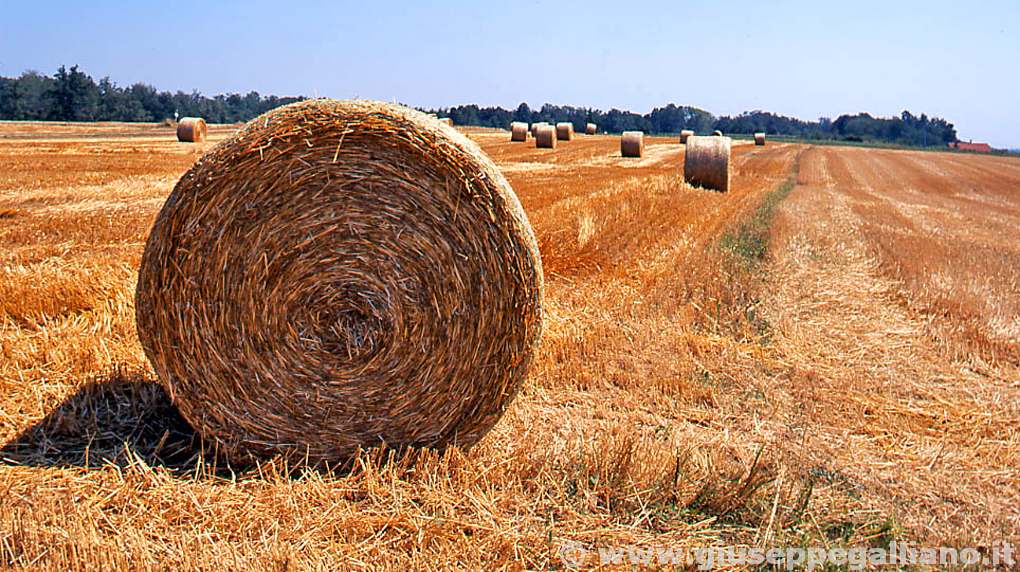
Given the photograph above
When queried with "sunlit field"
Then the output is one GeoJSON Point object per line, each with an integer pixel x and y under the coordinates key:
{"type": "Point", "coordinates": [827, 354]}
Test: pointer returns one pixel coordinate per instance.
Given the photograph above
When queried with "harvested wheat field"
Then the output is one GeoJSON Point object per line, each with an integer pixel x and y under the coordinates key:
{"type": "Point", "coordinates": [829, 353]}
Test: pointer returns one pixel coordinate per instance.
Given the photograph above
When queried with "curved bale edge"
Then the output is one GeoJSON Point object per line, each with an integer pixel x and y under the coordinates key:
{"type": "Point", "coordinates": [707, 162]}
{"type": "Point", "coordinates": [339, 275]}
{"type": "Point", "coordinates": [632, 144]}
{"type": "Point", "coordinates": [518, 131]}
{"type": "Point", "coordinates": [192, 130]}
{"type": "Point", "coordinates": [565, 131]}
{"type": "Point", "coordinates": [545, 137]}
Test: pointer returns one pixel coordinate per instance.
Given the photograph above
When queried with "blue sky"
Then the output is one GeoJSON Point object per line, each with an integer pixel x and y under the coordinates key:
{"type": "Point", "coordinates": [958, 60]}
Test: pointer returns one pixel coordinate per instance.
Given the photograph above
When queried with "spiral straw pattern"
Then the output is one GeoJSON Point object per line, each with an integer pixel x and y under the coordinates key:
{"type": "Point", "coordinates": [338, 275]}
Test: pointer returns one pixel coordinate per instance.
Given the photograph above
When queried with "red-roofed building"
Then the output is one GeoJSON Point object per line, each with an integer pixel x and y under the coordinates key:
{"type": "Point", "coordinates": [971, 146]}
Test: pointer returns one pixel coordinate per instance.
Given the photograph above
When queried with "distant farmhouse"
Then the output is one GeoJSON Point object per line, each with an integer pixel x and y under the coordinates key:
{"type": "Point", "coordinates": [971, 146]}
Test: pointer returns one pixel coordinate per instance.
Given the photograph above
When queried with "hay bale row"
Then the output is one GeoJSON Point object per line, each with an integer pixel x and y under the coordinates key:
{"type": "Point", "coordinates": [545, 137]}
{"type": "Point", "coordinates": [192, 130]}
{"type": "Point", "coordinates": [759, 139]}
{"type": "Point", "coordinates": [565, 131]}
{"type": "Point", "coordinates": [339, 275]}
{"type": "Point", "coordinates": [632, 144]}
{"type": "Point", "coordinates": [518, 131]}
{"type": "Point", "coordinates": [590, 129]}
{"type": "Point", "coordinates": [707, 162]}
{"type": "Point", "coordinates": [684, 134]}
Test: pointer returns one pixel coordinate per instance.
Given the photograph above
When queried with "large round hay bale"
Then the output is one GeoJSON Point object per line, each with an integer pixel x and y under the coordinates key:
{"type": "Point", "coordinates": [518, 131]}
{"type": "Point", "coordinates": [565, 131]}
{"type": "Point", "coordinates": [707, 162]}
{"type": "Point", "coordinates": [446, 121]}
{"type": "Point", "coordinates": [337, 275]}
{"type": "Point", "coordinates": [632, 144]}
{"type": "Point", "coordinates": [535, 126]}
{"type": "Point", "coordinates": [545, 138]}
{"type": "Point", "coordinates": [759, 138]}
{"type": "Point", "coordinates": [717, 133]}
{"type": "Point", "coordinates": [684, 134]}
{"type": "Point", "coordinates": [192, 130]}
{"type": "Point", "coordinates": [590, 129]}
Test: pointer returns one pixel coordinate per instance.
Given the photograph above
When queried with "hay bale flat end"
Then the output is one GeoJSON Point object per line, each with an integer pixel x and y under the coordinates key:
{"type": "Point", "coordinates": [339, 275]}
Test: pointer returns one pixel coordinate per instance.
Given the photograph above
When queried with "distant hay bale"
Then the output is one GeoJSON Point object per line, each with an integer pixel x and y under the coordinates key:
{"type": "Point", "coordinates": [192, 130]}
{"type": "Point", "coordinates": [684, 134]}
{"type": "Point", "coordinates": [535, 126]}
{"type": "Point", "coordinates": [632, 144]}
{"type": "Point", "coordinates": [717, 133]}
{"type": "Point", "coordinates": [707, 162]}
{"type": "Point", "coordinates": [565, 131]}
{"type": "Point", "coordinates": [759, 138]}
{"type": "Point", "coordinates": [518, 131]}
{"type": "Point", "coordinates": [590, 129]}
{"type": "Point", "coordinates": [339, 275]}
{"type": "Point", "coordinates": [545, 138]}
{"type": "Point", "coordinates": [446, 120]}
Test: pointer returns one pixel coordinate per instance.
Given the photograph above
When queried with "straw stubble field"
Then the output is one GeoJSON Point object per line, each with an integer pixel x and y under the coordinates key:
{"type": "Point", "coordinates": [855, 384]}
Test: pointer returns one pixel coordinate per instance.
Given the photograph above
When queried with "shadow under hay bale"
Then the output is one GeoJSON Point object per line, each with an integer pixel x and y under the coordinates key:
{"type": "Point", "coordinates": [123, 418]}
{"type": "Point", "coordinates": [118, 419]}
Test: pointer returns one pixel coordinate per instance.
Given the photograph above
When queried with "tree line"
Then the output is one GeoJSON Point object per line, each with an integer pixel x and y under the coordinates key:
{"type": "Point", "coordinates": [72, 95]}
{"type": "Point", "coordinates": [907, 129]}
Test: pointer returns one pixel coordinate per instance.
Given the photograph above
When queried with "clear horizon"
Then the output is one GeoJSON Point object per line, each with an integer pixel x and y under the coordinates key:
{"type": "Point", "coordinates": [791, 58]}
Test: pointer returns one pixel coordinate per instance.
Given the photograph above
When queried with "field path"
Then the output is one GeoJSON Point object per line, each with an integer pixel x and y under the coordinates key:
{"type": "Point", "coordinates": [880, 403]}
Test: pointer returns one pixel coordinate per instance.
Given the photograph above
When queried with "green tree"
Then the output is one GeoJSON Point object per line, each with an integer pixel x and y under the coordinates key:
{"type": "Point", "coordinates": [25, 98]}
{"type": "Point", "coordinates": [73, 96]}
{"type": "Point", "coordinates": [116, 105]}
